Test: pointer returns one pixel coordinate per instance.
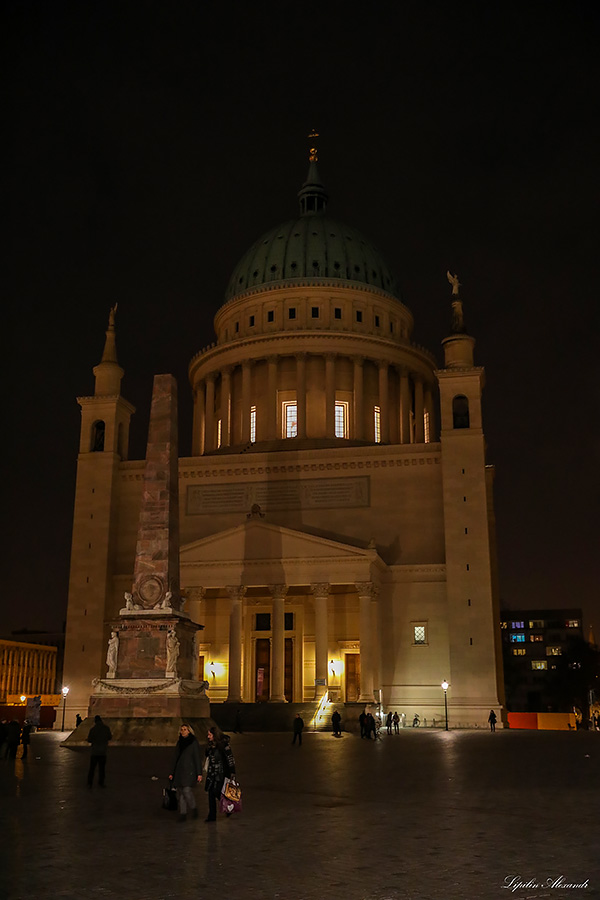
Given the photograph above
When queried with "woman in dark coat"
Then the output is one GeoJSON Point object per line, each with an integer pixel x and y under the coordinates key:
{"type": "Point", "coordinates": [187, 771]}
{"type": "Point", "coordinates": [219, 765]}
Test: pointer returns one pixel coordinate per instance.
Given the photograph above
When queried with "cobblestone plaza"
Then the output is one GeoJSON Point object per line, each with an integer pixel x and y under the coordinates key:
{"type": "Point", "coordinates": [425, 815]}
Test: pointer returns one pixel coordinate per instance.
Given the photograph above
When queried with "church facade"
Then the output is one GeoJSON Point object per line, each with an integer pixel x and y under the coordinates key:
{"type": "Point", "coordinates": [336, 514]}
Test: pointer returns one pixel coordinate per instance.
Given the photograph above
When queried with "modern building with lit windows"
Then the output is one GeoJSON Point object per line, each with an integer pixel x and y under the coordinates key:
{"type": "Point", "coordinates": [535, 643]}
{"type": "Point", "coordinates": [336, 513]}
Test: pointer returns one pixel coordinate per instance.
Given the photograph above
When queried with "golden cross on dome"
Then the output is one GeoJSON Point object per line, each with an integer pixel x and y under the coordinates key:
{"type": "Point", "coordinates": [312, 153]}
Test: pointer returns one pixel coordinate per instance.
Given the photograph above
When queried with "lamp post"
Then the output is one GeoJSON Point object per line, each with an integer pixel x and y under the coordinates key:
{"type": "Point", "coordinates": [65, 691]}
{"type": "Point", "coordinates": [445, 690]}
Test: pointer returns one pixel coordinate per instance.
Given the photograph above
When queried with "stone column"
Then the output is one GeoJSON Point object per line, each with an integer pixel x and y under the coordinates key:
{"type": "Point", "coordinates": [226, 406]}
{"type": "Point", "coordinates": [246, 402]}
{"type": "Point", "coordinates": [419, 426]}
{"type": "Point", "coordinates": [428, 408]}
{"type": "Point", "coordinates": [366, 591]}
{"type": "Point", "coordinates": [301, 393]}
{"type": "Point", "coordinates": [209, 414]}
{"type": "Point", "coordinates": [384, 402]}
{"type": "Point", "coordinates": [234, 686]}
{"type": "Point", "coordinates": [405, 407]}
{"type": "Point", "coordinates": [330, 395]}
{"type": "Point", "coordinates": [272, 398]}
{"type": "Point", "coordinates": [359, 413]}
{"type": "Point", "coordinates": [278, 592]}
{"type": "Point", "coordinates": [198, 425]}
{"type": "Point", "coordinates": [320, 593]}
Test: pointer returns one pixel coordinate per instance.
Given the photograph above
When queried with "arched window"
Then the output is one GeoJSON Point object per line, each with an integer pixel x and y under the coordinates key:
{"type": "Point", "coordinates": [460, 412]}
{"type": "Point", "coordinates": [98, 429]}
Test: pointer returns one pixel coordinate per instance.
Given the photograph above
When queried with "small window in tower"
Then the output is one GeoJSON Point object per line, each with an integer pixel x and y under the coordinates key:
{"type": "Point", "coordinates": [391, 327]}
{"type": "Point", "coordinates": [341, 419]}
{"type": "Point", "coordinates": [292, 312]}
{"type": "Point", "coordinates": [419, 632]}
{"type": "Point", "coordinates": [377, 423]}
{"type": "Point", "coordinates": [315, 312]}
{"type": "Point", "coordinates": [270, 315]}
{"type": "Point", "coordinates": [460, 412]}
{"type": "Point", "coordinates": [357, 269]}
{"type": "Point", "coordinates": [237, 326]}
{"type": "Point", "coordinates": [289, 419]}
{"type": "Point", "coordinates": [336, 266]}
{"type": "Point", "coordinates": [251, 321]}
{"type": "Point", "coordinates": [294, 266]}
{"type": "Point", "coordinates": [273, 268]}
{"type": "Point", "coordinates": [337, 312]}
{"type": "Point", "coordinates": [252, 424]}
{"type": "Point", "coordinates": [426, 426]}
{"type": "Point", "coordinates": [376, 321]}
{"type": "Point", "coordinates": [359, 315]}
{"type": "Point", "coordinates": [98, 432]}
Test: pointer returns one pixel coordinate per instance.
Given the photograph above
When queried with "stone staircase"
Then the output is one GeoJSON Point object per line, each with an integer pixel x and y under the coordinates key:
{"type": "Point", "coordinates": [280, 716]}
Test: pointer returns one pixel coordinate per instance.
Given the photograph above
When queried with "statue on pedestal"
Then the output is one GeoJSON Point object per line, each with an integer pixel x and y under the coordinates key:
{"type": "Point", "coordinates": [111, 654]}
{"type": "Point", "coordinates": [172, 652]}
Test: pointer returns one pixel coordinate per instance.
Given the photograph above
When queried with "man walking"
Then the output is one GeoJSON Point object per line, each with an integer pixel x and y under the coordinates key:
{"type": "Point", "coordinates": [98, 737]}
{"type": "Point", "coordinates": [298, 726]}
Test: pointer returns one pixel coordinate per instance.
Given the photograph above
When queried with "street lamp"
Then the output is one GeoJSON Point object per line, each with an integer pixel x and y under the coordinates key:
{"type": "Point", "coordinates": [445, 687]}
{"type": "Point", "coordinates": [65, 691]}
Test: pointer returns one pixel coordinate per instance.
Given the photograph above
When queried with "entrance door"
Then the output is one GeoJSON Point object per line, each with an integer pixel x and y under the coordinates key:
{"type": "Point", "coordinates": [352, 677]}
{"type": "Point", "coordinates": [262, 670]}
{"type": "Point", "coordinates": [288, 688]}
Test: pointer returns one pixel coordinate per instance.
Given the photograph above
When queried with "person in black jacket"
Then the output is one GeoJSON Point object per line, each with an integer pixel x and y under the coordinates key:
{"type": "Point", "coordinates": [219, 765]}
{"type": "Point", "coordinates": [13, 737]}
{"type": "Point", "coordinates": [187, 771]}
{"type": "Point", "coordinates": [298, 726]}
{"type": "Point", "coordinates": [25, 739]}
{"type": "Point", "coordinates": [99, 736]}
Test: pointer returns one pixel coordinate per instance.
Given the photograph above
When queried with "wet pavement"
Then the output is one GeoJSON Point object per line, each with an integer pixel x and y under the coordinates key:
{"type": "Point", "coordinates": [425, 814]}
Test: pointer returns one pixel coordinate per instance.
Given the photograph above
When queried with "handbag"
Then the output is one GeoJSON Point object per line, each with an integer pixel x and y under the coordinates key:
{"type": "Point", "coordinates": [169, 798]}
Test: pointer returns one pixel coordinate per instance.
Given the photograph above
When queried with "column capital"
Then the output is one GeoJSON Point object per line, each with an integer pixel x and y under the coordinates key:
{"type": "Point", "coordinates": [210, 377]}
{"type": "Point", "coordinates": [226, 371]}
{"type": "Point", "coordinates": [301, 354]}
{"type": "Point", "coordinates": [367, 589]}
{"type": "Point", "coordinates": [320, 590]}
{"type": "Point", "coordinates": [358, 360]}
{"type": "Point", "coordinates": [247, 363]}
{"type": "Point", "coordinates": [278, 591]}
{"type": "Point", "coordinates": [236, 591]}
{"type": "Point", "coordinates": [194, 593]}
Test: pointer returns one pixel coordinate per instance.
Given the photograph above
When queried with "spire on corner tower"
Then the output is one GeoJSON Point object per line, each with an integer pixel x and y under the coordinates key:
{"type": "Point", "coordinates": [108, 372]}
{"type": "Point", "coordinates": [458, 348]}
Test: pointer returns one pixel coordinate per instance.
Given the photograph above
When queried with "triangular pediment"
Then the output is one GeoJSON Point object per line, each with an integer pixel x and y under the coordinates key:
{"type": "Point", "coordinates": [259, 551]}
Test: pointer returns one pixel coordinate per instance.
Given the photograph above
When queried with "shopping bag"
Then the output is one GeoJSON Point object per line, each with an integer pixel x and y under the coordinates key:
{"type": "Point", "coordinates": [169, 798]}
{"type": "Point", "coordinates": [232, 790]}
{"type": "Point", "coordinates": [229, 806]}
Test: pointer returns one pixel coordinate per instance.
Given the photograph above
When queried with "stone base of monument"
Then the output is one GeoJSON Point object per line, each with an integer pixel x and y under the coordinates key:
{"type": "Point", "coordinates": [146, 712]}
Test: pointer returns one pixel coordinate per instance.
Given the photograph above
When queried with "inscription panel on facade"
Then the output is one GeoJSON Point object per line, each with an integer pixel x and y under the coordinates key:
{"type": "Point", "coordinates": [301, 493]}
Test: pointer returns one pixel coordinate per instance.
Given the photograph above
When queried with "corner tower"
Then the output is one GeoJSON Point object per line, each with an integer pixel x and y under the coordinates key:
{"type": "Point", "coordinates": [473, 609]}
{"type": "Point", "coordinates": [103, 443]}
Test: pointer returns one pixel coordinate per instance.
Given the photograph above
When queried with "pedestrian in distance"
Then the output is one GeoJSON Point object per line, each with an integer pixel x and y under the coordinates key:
{"type": "Point", "coordinates": [370, 728]}
{"type": "Point", "coordinates": [362, 721]}
{"type": "Point", "coordinates": [336, 723]}
{"type": "Point", "coordinates": [396, 721]}
{"type": "Point", "coordinates": [237, 723]}
{"type": "Point", "coordinates": [78, 720]}
{"type": "Point", "coordinates": [187, 771]}
{"type": "Point", "coordinates": [388, 722]}
{"type": "Point", "coordinates": [99, 736]}
{"type": "Point", "coordinates": [219, 764]}
{"type": "Point", "coordinates": [492, 720]}
{"type": "Point", "coordinates": [3, 736]}
{"type": "Point", "coordinates": [298, 728]}
{"type": "Point", "coordinates": [13, 737]}
{"type": "Point", "coordinates": [25, 739]}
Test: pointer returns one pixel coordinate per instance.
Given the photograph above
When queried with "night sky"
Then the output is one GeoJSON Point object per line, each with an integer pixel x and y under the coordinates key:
{"type": "Point", "coordinates": [151, 143]}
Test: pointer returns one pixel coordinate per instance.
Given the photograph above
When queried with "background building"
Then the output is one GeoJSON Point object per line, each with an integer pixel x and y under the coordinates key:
{"type": "Point", "coordinates": [336, 519]}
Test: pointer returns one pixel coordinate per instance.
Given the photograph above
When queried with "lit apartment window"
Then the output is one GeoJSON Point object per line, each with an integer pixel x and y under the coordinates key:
{"type": "Point", "coordinates": [252, 424]}
{"type": "Point", "coordinates": [341, 419]}
{"type": "Point", "coordinates": [426, 426]}
{"type": "Point", "coordinates": [377, 417]}
{"type": "Point", "coordinates": [219, 433]}
{"type": "Point", "coordinates": [290, 419]}
{"type": "Point", "coordinates": [515, 625]}
{"type": "Point", "coordinates": [518, 651]}
{"type": "Point", "coordinates": [420, 633]}
{"type": "Point", "coordinates": [572, 623]}
{"type": "Point", "coordinates": [517, 638]}
{"type": "Point", "coordinates": [535, 638]}
{"type": "Point", "coordinates": [554, 651]}
{"type": "Point", "coordinates": [539, 664]}
{"type": "Point", "coordinates": [536, 623]}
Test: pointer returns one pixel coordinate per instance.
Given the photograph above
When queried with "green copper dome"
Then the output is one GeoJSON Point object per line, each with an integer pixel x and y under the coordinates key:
{"type": "Point", "coordinates": [311, 247]}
